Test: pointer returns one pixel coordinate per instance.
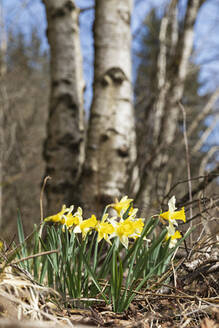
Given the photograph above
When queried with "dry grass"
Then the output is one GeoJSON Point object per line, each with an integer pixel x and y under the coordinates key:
{"type": "Point", "coordinates": [23, 299]}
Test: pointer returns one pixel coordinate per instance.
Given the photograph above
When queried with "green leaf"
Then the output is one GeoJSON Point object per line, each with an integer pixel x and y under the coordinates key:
{"type": "Point", "coordinates": [94, 278]}
{"type": "Point", "coordinates": [22, 241]}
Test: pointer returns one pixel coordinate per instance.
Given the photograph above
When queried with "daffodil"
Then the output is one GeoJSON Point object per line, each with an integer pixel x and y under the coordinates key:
{"type": "Point", "coordinates": [132, 213]}
{"type": "Point", "coordinates": [59, 217]}
{"type": "Point", "coordinates": [139, 225]}
{"type": "Point", "coordinates": [172, 215]}
{"type": "Point", "coordinates": [72, 219]}
{"type": "Point", "coordinates": [84, 226]}
{"type": "Point", "coordinates": [104, 229]}
{"type": "Point", "coordinates": [173, 235]}
{"type": "Point", "coordinates": [122, 205]}
{"type": "Point", "coordinates": [69, 220]}
{"type": "Point", "coordinates": [126, 229]}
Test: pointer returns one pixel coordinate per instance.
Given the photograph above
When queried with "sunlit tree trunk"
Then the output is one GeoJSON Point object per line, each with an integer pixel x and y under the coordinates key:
{"type": "Point", "coordinates": [111, 148]}
{"type": "Point", "coordinates": [64, 147]}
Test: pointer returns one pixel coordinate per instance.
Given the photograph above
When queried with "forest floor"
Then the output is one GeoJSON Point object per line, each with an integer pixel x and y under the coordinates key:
{"type": "Point", "coordinates": [185, 296]}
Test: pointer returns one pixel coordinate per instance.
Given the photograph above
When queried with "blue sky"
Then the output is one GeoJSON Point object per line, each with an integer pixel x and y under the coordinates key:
{"type": "Point", "coordinates": [22, 14]}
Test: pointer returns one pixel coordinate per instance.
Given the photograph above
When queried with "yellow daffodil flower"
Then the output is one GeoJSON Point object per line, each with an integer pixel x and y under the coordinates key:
{"type": "Point", "coordinates": [173, 234]}
{"type": "Point", "coordinates": [173, 215]}
{"type": "Point", "coordinates": [132, 213]}
{"type": "Point", "coordinates": [69, 220]}
{"type": "Point", "coordinates": [122, 205]}
{"type": "Point", "coordinates": [139, 225]}
{"type": "Point", "coordinates": [104, 229]}
{"type": "Point", "coordinates": [72, 219]}
{"type": "Point", "coordinates": [59, 217]}
{"type": "Point", "coordinates": [126, 229]}
{"type": "Point", "coordinates": [84, 226]}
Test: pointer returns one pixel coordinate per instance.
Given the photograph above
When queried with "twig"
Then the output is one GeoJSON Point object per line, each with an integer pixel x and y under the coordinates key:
{"type": "Point", "coordinates": [82, 10]}
{"type": "Point", "coordinates": [164, 276]}
{"type": "Point", "coordinates": [185, 296]}
{"type": "Point", "coordinates": [197, 215]}
{"type": "Point", "coordinates": [174, 271]}
{"type": "Point", "coordinates": [195, 311]}
{"type": "Point", "coordinates": [35, 255]}
{"type": "Point", "coordinates": [183, 181]}
{"type": "Point", "coordinates": [205, 160]}
{"type": "Point", "coordinates": [208, 179]}
{"type": "Point", "coordinates": [203, 114]}
{"type": "Point", "coordinates": [83, 299]}
{"type": "Point", "coordinates": [20, 244]}
{"type": "Point", "coordinates": [41, 197]}
{"type": "Point", "coordinates": [205, 135]}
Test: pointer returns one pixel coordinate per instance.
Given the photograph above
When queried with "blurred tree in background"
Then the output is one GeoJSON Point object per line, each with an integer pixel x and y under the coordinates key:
{"type": "Point", "coordinates": [146, 91]}
{"type": "Point", "coordinates": [24, 101]}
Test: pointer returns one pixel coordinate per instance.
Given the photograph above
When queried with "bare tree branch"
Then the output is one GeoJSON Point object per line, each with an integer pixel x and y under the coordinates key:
{"type": "Point", "coordinates": [180, 182]}
{"type": "Point", "coordinates": [85, 9]}
{"type": "Point", "coordinates": [205, 135]}
{"type": "Point", "coordinates": [205, 160]}
{"type": "Point", "coordinates": [206, 110]}
{"type": "Point", "coordinates": [206, 181]}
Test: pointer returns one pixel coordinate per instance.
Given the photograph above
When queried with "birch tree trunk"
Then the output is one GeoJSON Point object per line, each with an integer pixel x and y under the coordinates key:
{"type": "Point", "coordinates": [111, 148]}
{"type": "Point", "coordinates": [64, 147]}
{"type": "Point", "coordinates": [183, 53]}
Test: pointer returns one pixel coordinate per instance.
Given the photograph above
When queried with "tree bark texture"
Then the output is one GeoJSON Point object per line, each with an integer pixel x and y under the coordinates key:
{"type": "Point", "coordinates": [111, 148]}
{"type": "Point", "coordinates": [64, 147]}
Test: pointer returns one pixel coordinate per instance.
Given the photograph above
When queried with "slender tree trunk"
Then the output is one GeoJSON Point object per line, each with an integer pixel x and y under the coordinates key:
{"type": "Point", "coordinates": [184, 48]}
{"type": "Point", "coordinates": [111, 148]}
{"type": "Point", "coordinates": [3, 70]}
{"type": "Point", "coordinates": [64, 147]}
{"type": "Point", "coordinates": [1, 159]}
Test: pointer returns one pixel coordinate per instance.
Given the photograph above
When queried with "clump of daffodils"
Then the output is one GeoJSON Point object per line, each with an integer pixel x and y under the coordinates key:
{"type": "Point", "coordinates": [123, 226]}
{"type": "Point", "coordinates": [107, 228]}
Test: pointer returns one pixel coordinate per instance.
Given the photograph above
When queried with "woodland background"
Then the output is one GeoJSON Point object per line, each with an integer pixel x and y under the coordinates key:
{"type": "Point", "coordinates": [126, 133]}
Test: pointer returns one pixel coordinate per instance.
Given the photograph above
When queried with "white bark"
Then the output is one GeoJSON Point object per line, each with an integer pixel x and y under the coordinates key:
{"type": "Point", "coordinates": [111, 146]}
{"type": "Point", "coordinates": [64, 149]}
{"type": "Point", "coordinates": [174, 26]}
{"type": "Point", "coordinates": [170, 19]}
{"type": "Point", "coordinates": [161, 77]}
{"type": "Point", "coordinates": [172, 113]}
